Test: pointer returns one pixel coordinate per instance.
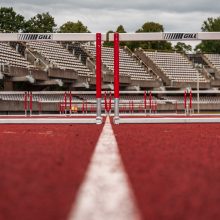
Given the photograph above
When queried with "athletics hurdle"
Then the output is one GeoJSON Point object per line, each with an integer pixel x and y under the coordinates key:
{"type": "Point", "coordinates": [160, 36]}
{"type": "Point", "coordinates": [62, 37]}
{"type": "Point", "coordinates": [28, 103]}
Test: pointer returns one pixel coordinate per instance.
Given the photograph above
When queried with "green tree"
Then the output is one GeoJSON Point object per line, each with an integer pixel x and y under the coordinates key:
{"type": "Point", "coordinates": [182, 47]}
{"type": "Point", "coordinates": [10, 21]}
{"type": "Point", "coordinates": [41, 23]}
{"type": "Point", "coordinates": [120, 29]}
{"type": "Point", "coordinates": [210, 25]}
{"type": "Point", "coordinates": [155, 45]}
{"type": "Point", "coordinates": [74, 27]}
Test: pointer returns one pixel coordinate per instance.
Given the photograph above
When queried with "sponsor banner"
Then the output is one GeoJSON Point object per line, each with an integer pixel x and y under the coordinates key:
{"type": "Point", "coordinates": [35, 37]}
{"type": "Point", "coordinates": [180, 36]}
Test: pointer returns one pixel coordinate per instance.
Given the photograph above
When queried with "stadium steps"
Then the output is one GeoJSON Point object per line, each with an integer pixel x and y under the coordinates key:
{"type": "Point", "coordinates": [150, 64]}
{"type": "Point", "coordinates": [155, 82]}
{"type": "Point", "coordinates": [212, 65]}
{"type": "Point", "coordinates": [107, 73]}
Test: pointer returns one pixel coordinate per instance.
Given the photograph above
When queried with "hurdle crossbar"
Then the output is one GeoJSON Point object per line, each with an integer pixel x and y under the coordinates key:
{"type": "Point", "coordinates": [168, 120]}
{"type": "Point", "coordinates": [25, 37]}
{"type": "Point", "coordinates": [156, 36]}
{"type": "Point", "coordinates": [85, 37]}
{"type": "Point", "coordinates": [167, 36]}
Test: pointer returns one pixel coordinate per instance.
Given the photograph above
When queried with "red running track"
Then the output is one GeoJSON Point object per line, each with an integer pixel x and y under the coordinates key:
{"type": "Point", "coordinates": [174, 169]}
{"type": "Point", "coordinates": [41, 169]}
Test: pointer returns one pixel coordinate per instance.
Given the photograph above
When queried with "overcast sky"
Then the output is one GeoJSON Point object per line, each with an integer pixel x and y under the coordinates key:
{"type": "Point", "coordinates": [104, 15]}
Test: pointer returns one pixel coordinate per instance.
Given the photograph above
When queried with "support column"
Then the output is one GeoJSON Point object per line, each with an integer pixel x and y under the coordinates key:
{"type": "Point", "coordinates": [116, 77]}
{"type": "Point", "coordinates": [99, 78]}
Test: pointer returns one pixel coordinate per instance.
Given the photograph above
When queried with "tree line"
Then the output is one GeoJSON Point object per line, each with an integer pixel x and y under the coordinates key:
{"type": "Point", "coordinates": [11, 21]}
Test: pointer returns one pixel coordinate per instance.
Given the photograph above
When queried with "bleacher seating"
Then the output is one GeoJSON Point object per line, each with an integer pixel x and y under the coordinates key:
{"type": "Point", "coordinates": [128, 66]}
{"type": "Point", "coordinates": [214, 59]}
{"type": "Point", "coordinates": [9, 56]}
{"type": "Point", "coordinates": [60, 57]}
{"type": "Point", "coordinates": [175, 66]}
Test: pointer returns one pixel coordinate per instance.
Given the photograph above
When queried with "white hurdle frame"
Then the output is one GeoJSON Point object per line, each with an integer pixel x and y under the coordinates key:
{"type": "Point", "coordinates": [40, 37]}
{"type": "Point", "coordinates": [158, 36]}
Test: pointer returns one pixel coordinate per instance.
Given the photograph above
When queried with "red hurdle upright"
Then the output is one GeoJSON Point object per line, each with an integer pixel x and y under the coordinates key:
{"type": "Point", "coordinates": [145, 102]}
{"type": "Point", "coordinates": [185, 101]}
{"type": "Point", "coordinates": [150, 100]}
{"type": "Point", "coordinates": [31, 103]}
{"type": "Point", "coordinates": [190, 101]}
{"type": "Point", "coordinates": [116, 77]}
{"type": "Point", "coordinates": [25, 103]}
{"type": "Point", "coordinates": [70, 99]}
{"type": "Point", "coordinates": [105, 100]}
{"type": "Point", "coordinates": [99, 77]}
{"type": "Point", "coordinates": [28, 103]}
{"type": "Point", "coordinates": [110, 103]}
{"type": "Point", "coordinates": [65, 100]}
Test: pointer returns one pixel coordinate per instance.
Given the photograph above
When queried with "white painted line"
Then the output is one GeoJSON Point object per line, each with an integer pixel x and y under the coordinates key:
{"type": "Point", "coordinates": [167, 120]}
{"type": "Point", "coordinates": [47, 121]}
{"type": "Point", "coordinates": [105, 193]}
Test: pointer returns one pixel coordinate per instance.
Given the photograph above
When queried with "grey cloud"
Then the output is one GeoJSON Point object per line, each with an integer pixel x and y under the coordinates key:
{"type": "Point", "coordinates": [141, 5]}
{"type": "Point", "coordinates": [101, 15]}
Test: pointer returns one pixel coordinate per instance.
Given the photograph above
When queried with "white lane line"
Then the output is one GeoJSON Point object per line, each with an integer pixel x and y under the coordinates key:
{"type": "Point", "coordinates": [105, 193]}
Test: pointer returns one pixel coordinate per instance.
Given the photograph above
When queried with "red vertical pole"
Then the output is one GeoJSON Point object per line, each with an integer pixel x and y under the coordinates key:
{"type": "Point", "coordinates": [116, 77]}
{"type": "Point", "coordinates": [65, 102]}
{"type": "Point", "coordinates": [99, 77]}
{"type": "Point", "coordinates": [190, 99]}
{"type": "Point", "coordinates": [98, 65]}
{"type": "Point", "coordinates": [70, 99]}
{"type": "Point", "coordinates": [31, 99]}
{"type": "Point", "coordinates": [110, 102]}
{"type": "Point", "coordinates": [25, 103]}
{"type": "Point", "coordinates": [185, 100]}
{"type": "Point", "coordinates": [150, 100]}
{"type": "Point", "coordinates": [116, 65]}
{"type": "Point", "coordinates": [145, 101]}
{"type": "Point", "coordinates": [105, 99]}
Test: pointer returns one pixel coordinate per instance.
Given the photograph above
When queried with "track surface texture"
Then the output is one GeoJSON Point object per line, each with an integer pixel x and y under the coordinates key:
{"type": "Point", "coordinates": [174, 169]}
{"type": "Point", "coordinates": [41, 169]}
